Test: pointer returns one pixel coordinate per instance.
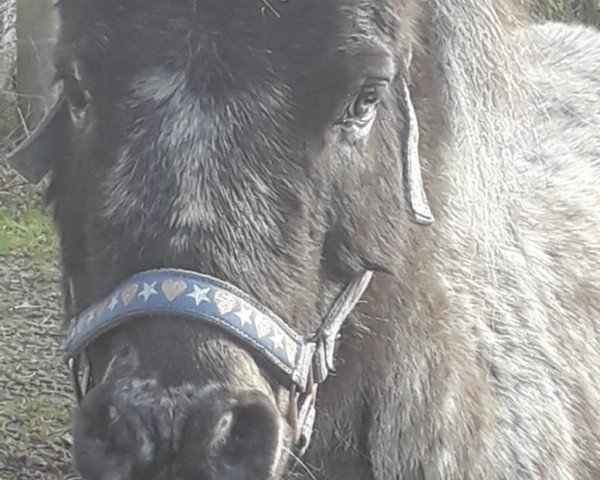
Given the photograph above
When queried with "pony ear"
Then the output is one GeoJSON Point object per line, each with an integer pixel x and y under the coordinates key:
{"type": "Point", "coordinates": [413, 177]}
{"type": "Point", "coordinates": [39, 153]}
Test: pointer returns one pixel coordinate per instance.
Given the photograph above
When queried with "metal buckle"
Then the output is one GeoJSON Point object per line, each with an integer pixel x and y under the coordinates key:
{"type": "Point", "coordinates": [82, 381]}
{"type": "Point", "coordinates": [306, 419]}
{"type": "Point", "coordinates": [324, 356]}
{"type": "Point", "coordinates": [301, 414]}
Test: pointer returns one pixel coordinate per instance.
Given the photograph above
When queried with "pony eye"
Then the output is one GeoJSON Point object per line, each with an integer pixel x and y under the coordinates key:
{"type": "Point", "coordinates": [361, 111]}
{"type": "Point", "coordinates": [364, 104]}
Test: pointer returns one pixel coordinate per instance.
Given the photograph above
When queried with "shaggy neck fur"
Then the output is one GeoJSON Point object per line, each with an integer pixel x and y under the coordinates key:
{"type": "Point", "coordinates": [474, 380]}
{"type": "Point", "coordinates": [472, 358]}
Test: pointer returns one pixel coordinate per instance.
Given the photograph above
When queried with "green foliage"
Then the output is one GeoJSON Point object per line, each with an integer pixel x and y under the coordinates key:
{"type": "Point", "coordinates": [27, 232]}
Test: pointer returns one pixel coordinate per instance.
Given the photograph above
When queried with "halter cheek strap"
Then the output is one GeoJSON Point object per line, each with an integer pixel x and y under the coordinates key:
{"type": "Point", "coordinates": [413, 176]}
{"type": "Point", "coordinates": [301, 364]}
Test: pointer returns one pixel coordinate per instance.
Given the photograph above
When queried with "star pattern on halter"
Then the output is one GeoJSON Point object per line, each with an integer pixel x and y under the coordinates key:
{"type": "Point", "coordinates": [89, 317]}
{"type": "Point", "coordinates": [226, 308]}
{"type": "Point", "coordinates": [114, 302]}
{"type": "Point", "coordinates": [278, 339]}
{"type": "Point", "coordinates": [199, 295]}
{"type": "Point", "coordinates": [245, 316]}
{"type": "Point", "coordinates": [148, 290]}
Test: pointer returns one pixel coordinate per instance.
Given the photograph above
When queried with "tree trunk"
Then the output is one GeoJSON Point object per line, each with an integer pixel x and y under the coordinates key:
{"type": "Point", "coordinates": [8, 55]}
{"type": "Point", "coordinates": [36, 33]}
{"type": "Point", "coordinates": [7, 41]}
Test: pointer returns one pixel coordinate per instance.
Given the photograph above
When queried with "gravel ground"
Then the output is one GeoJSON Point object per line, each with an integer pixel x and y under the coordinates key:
{"type": "Point", "coordinates": [35, 396]}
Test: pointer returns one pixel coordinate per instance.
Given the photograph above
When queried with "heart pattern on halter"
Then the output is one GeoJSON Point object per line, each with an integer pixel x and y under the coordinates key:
{"type": "Point", "coordinates": [102, 308]}
{"type": "Point", "coordinates": [193, 295]}
{"type": "Point", "coordinates": [225, 302]}
{"type": "Point", "coordinates": [173, 289]}
{"type": "Point", "coordinates": [129, 294]}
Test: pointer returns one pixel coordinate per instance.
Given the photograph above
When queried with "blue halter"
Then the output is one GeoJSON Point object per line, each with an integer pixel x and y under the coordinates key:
{"type": "Point", "coordinates": [304, 364]}
{"type": "Point", "coordinates": [199, 297]}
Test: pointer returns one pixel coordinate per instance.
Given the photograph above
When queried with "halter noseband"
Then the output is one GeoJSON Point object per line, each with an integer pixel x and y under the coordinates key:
{"type": "Point", "coordinates": [302, 364]}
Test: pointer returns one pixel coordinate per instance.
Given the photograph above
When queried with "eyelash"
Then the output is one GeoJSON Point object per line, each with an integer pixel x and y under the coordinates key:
{"type": "Point", "coordinates": [360, 112]}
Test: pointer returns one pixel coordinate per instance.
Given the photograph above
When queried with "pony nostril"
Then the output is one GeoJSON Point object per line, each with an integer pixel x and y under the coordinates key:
{"type": "Point", "coordinates": [252, 423]}
{"type": "Point", "coordinates": [132, 431]}
{"type": "Point", "coordinates": [113, 436]}
{"type": "Point", "coordinates": [222, 431]}
{"type": "Point", "coordinates": [239, 436]}
{"type": "Point", "coordinates": [250, 446]}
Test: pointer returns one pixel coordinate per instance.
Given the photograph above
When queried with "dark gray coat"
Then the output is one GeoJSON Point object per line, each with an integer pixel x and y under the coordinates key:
{"type": "Point", "coordinates": [210, 135]}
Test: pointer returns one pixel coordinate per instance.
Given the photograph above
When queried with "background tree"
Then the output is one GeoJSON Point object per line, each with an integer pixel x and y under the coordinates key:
{"type": "Point", "coordinates": [8, 54]}
{"type": "Point", "coordinates": [27, 32]}
{"type": "Point", "coordinates": [36, 30]}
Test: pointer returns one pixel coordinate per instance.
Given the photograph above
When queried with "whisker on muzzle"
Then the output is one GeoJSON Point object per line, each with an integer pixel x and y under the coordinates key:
{"type": "Point", "coordinates": [298, 461]}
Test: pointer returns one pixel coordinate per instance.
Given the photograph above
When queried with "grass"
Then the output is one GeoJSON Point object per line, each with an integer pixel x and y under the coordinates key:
{"type": "Point", "coordinates": [41, 419]}
{"type": "Point", "coordinates": [28, 232]}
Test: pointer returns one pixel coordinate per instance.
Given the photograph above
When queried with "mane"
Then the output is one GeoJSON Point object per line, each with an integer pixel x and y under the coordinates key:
{"type": "Point", "coordinates": [459, 364]}
{"type": "Point", "coordinates": [486, 306]}
{"type": "Point", "coordinates": [480, 88]}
